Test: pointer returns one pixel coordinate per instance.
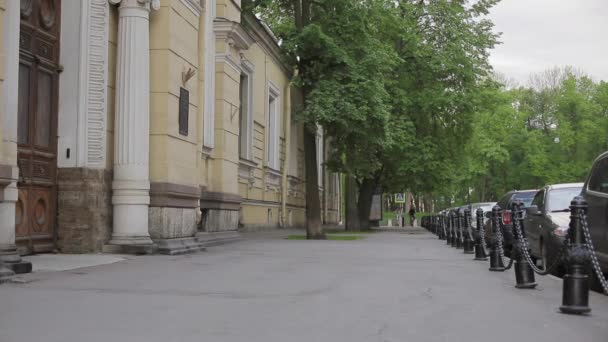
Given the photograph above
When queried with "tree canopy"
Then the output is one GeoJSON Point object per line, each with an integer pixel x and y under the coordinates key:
{"type": "Point", "coordinates": [394, 84]}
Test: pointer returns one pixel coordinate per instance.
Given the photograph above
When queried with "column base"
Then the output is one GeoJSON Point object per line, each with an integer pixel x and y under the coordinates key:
{"type": "Point", "coordinates": [10, 259]}
{"type": "Point", "coordinates": [5, 274]}
{"type": "Point", "coordinates": [137, 245]}
{"type": "Point", "coordinates": [20, 267]}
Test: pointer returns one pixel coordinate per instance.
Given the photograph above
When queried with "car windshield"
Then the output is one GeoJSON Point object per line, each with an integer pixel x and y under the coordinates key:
{"type": "Point", "coordinates": [526, 197]}
{"type": "Point", "coordinates": [559, 199]}
{"type": "Point", "coordinates": [487, 208]}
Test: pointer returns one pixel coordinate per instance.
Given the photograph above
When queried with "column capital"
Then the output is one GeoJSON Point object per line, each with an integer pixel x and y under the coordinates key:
{"type": "Point", "coordinates": [145, 4]}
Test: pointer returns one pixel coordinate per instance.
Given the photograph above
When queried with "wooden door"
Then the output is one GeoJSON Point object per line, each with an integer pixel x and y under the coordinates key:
{"type": "Point", "coordinates": [37, 125]}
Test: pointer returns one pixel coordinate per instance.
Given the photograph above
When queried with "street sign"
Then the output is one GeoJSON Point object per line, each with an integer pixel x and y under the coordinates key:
{"type": "Point", "coordinates": [399, 197]}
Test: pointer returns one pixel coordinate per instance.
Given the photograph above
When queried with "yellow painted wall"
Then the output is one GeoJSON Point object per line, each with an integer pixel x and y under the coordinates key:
{"type": "Point", "coordinates": [3, 154]}
{"type": "Point", "coordinates": [173, 50]}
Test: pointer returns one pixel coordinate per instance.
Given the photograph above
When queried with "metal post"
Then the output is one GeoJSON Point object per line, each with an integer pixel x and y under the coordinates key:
{"type": "Point", "coordinates": [448, 223]}
{"type": "Point", "coordinates": [496, 263]}
{"type": "Point", "coordinates": [454, 219]}
{"type": "Point", "coordinates": [480, 253]}
{"type": "Point", "coordinates": [524, 274]}
{"type": "Point", "coordinates": [575, 292]}
{"type": "Point", "coordinates": [467, 231]}
{"type": "Point", "coordinates": [460, 225]}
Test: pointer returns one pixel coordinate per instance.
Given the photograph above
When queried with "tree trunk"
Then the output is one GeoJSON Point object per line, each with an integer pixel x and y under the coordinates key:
{"type": "Point", "coordinates": [366, 195]}
{"type": "Point", "coordinates": [352, 212]}
{"type": "Point", "coordinates": [314, 230]}
{"type": "Point", "coordinates": [482, 196]}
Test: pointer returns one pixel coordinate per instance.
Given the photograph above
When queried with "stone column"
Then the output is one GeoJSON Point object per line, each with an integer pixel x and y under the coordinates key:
{"type": "Point", "coordinates": [131, 184]}
{"type": "Point", "coordinates": [10, 261]}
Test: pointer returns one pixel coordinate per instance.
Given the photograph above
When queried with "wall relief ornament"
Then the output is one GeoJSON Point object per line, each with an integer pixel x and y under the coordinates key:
{"type": "Point", "coordinates": [154, 4]}
{"type": "Point", "coordinates": [47, 13]}
{"type": "Point", "coordinates": [26, 8]}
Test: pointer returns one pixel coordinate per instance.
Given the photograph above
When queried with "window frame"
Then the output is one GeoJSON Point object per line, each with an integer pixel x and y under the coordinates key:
{"type": "Point", "coordinates": [541, 194]}
{"type": "Point", "coordinates": [597, 167]}
{"type": "Point", "coordinates": [273, 126]}
{"type": "Point", "coordinates": [246, 125]}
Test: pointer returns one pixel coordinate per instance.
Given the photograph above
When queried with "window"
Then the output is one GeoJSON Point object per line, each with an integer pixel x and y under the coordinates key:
{"type": "Point", "coordinates": [245, 113]}
{"type": "Point", "coordinates": [599, 178]}
{"type": "Point", "coordinates": [293, 148]}
{"type": "Point", "coordinates": [539, 199]}
{"type": "Point", "coordinates": [272, 143]}
{"type": "Point", "coordinates": [559, 199]}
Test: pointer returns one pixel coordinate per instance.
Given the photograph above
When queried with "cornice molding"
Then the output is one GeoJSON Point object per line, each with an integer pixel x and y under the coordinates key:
{"type": "Point", "coordinates": [193, 5]}
{"type": "Point", "coordinates": [233, 33]}
{"type": "Point", "coordinates": [262, 35]}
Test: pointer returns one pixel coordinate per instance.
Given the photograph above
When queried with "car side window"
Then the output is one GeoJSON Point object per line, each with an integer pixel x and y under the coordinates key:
{"type": "Point", "coordinates": [504, 201]}
{"type": "Point", "coordinates": [539, 200]}
{"type": "Point", "coordinates": [599, 178]}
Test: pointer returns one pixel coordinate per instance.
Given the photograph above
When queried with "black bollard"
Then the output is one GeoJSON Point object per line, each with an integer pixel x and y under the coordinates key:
{"type": "Point", "coordinates": [448, 224]}
{"type": "Point", "coordinates": [460, 226]}
{"type": "Point", "coordinates": [455, 238]}
{"type": "Point", "coordinates": [496, 263]}
{"type": "Point", "coordinates": [575, 292]}
{"type": "Point", "coordinates": [467, 231]}
{"type": "Point", "coordinates": [441, 227]}
{"type": "Point", "coordinates": [438, 227]}
{"type": "Point", "coordinates": [480, 253]}
{"type": "Point", "coordinates": [524, 274]}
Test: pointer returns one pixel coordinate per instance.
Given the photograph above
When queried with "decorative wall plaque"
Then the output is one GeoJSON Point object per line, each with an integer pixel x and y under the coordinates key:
{"type": "Point", "coordinates": [184, 109]}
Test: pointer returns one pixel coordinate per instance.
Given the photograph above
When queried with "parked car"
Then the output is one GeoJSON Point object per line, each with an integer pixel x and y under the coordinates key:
{"type": "Point", "coordinates": [595, 192]}
{"type": "Point", "coordinates": [485, 206]}
{"type": "Point", "coordinates": [547, 220]}
{"type": "Point", "coordinates": [506, 204]}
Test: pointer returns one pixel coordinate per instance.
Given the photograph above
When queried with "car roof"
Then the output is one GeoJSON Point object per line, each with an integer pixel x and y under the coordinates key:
{"type": "Point", "coordinates": [483, 204]}
{"type": "Point", "coordinates": [564, 185]}
{"type": "Point", "coordinates": [520, 191]}
{"type": "Point", "coordinates": [601, 156]}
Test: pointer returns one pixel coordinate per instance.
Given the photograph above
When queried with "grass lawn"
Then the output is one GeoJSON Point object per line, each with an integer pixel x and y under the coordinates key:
{"type": "Point", "coordinates": [354, 232]}
{"type": "Point", "coordinates": [340, 237]}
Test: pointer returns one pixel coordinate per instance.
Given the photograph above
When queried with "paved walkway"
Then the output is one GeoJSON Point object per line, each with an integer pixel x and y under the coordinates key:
{"type": "Point", "coordinates": [387, 287]}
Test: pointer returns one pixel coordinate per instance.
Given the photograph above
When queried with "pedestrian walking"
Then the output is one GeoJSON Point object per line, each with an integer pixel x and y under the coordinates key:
{"type": "Point", "coordinates": [413, 215]}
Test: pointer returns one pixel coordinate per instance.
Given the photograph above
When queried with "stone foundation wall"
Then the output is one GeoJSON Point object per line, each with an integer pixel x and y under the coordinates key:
{"type": "Point", "coordinates": [220, 220]}
{"type": "Point", "coordinates": [170, 223]}
{"type": "Point", "coordinates": [84, 208]}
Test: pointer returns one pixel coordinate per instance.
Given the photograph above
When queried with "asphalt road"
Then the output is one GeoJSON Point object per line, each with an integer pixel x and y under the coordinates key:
{"type": "Point", "coordinates": [387, 287]}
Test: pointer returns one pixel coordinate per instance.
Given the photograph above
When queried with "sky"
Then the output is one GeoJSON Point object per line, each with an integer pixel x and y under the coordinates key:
{"type": "Point", "coordinates": [540, 34]}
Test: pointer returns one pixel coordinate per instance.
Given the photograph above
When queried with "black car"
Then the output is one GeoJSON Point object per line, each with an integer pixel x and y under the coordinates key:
{"type": "Point", "coordinates": [547, 220]}
{"type": "Point", "coordinates": [506, 204]}
{"type": "Point", "coordinates": [595, 192]}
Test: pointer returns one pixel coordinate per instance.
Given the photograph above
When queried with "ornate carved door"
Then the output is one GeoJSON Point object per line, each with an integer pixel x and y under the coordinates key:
{"type": "Point", "coordinates": [37, 124]}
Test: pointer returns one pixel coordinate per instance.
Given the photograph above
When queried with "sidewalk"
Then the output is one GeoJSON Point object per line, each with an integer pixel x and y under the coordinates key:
{"type": "Point", "coordinates": [385, 287]}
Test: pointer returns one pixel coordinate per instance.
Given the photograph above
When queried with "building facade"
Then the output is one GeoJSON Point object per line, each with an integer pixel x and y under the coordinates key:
{"type": "Point", "coordinates": [145, 125]}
